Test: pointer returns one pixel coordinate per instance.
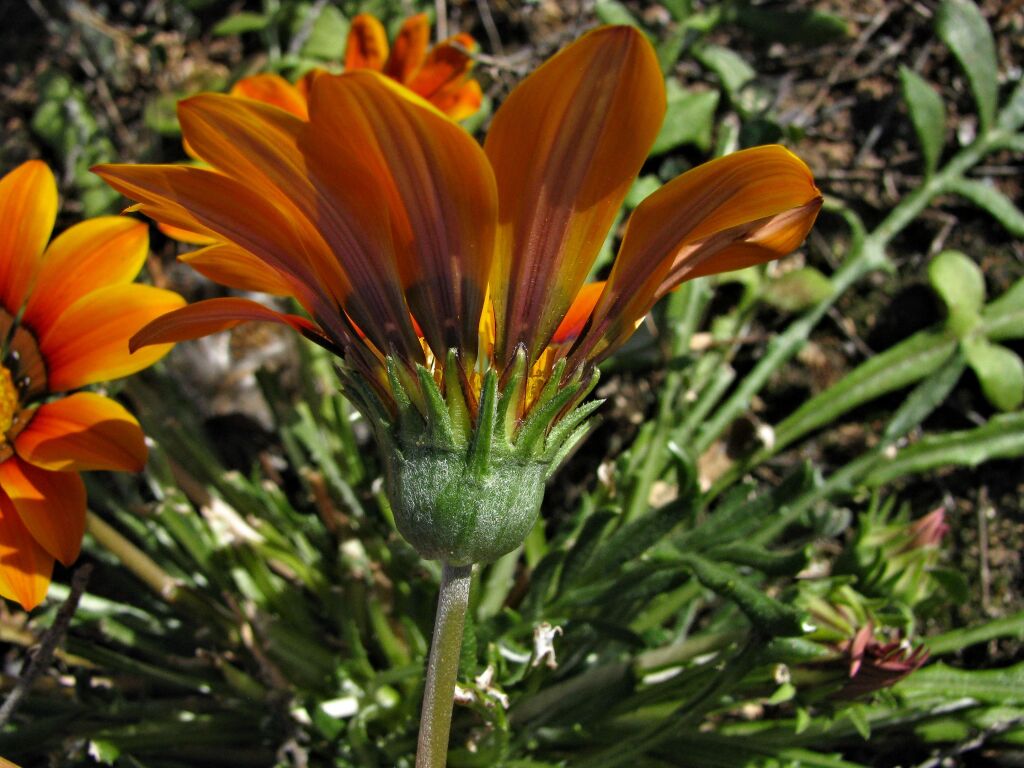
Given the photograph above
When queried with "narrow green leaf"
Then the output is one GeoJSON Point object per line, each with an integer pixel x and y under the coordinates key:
{"type": "Point", "coordinates": [928, 395]}
{"type": "Point", "coordinates": [1001, 438]}
{"type": "Point", "coordinates": [241, 22]}
{"type": "Point", "coordinates": [764, 560]}
{"type": "Point", "coordinates": [993, 201]}
{"type": "Point", "coordinates": [991, 686]}
{"type": "Point", "coordinates": [909, 361]}
{"type": "Point", "coordinates": [961, 286]}
{"type": "Point", "coordinates": [999, 370]}
{"type": "Point", "coordinates": [958, 639]}
{"type": "Point", "coordinates": [579, 554]}
{"type": "Point", "coordinates": [858, 717]}
{"type": "Point", "coordinates": [927, 114]}
{"type": "Point", "coordinates": [962, 27]}
{"type": "Point", "coordinates": [769, 616]}
{"type": "Point", "coordinates": [636, 537]}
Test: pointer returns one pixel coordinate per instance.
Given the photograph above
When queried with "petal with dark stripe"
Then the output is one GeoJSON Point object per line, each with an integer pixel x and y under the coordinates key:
{"type": "Point", "coordinates": [565, 146]}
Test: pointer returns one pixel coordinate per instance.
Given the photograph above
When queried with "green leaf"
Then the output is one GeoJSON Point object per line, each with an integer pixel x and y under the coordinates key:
{"type": "Point", "coordinates": [858, 717]}
{"type": "Point", "coordinates": [105, 752]}
{"type": "Point", "coordinates": [928, 395]}
{"type": "Point", "coordinates": [990, 686]}
{"type": "Point", "coordinates": [908, 362]}
{"type": "Point", "coordinates": [928, 115]}
{"type": "Point", "coordinates": [642, 188]}
{"type": "Point", "coordinates": [958, 639]}
{"type": "Point", "coordinates": [992, 200]}
{"type": "Point", "coordinates": [689, 118]}
{"type": "Point", "coordinates": [1001, 438]}
{"type": "Point", "coordinates": [161, 114]}
{"type": "Point", "coordinates": [1011, 118]}
{"type": "Point", "coordinates": [769, 616]}
{"type": "Point", "coordinates": [612, 12]}
{"type": "Point", "coordinates": [241, 22]}
{"type": "Point", "coordinates": [962, 27]}
{"type": "Point", "coordinates": [961, 286]}
{"type": "Point", "coordinates": [999, 370]}
{"type": "Point", "coordinates": [327, 38]}
{"type": "Point", "coordinates": [731, 68]}
{"type": "Point", "coordinates": [797, 290]}
{"type": "Point", "coordinates": [1004, 317]}
{"type": "Point", "coordinates": [637, 536]}
{"type": "Point", "coordinates": [803, 27]}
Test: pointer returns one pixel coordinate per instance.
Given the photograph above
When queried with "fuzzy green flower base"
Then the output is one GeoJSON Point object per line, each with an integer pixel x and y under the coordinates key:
{"type": "Point", "coordinates": [467, 488]}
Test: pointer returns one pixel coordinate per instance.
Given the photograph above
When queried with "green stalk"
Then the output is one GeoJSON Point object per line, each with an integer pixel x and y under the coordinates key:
{"type": "Point", "coordinates": [866, 255]}
{"type": "Point", "coordinates": [443, 666]}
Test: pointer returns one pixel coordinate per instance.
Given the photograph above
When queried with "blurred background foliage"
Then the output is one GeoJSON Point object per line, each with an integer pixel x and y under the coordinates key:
{"type": "Point", "coordinates": [807, 483]}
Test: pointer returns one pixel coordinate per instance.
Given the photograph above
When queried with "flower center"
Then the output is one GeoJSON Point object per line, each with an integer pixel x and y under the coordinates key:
{"type": "Point", "coordinates": [22, 381]}
{"type": "Point", "coordinates": [8, 400]}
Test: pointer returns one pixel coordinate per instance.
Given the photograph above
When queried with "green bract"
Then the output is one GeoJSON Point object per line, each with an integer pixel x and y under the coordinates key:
{"type": "Point", "coordinates": [466, 484]}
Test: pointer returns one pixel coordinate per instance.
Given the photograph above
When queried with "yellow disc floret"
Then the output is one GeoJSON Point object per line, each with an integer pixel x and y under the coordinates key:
{"type": "Point", "coordinates": [8, 401]}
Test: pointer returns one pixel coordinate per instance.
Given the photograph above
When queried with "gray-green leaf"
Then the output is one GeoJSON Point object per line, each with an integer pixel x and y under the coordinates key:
{"type": "Point", "coordinates": [962, 27]}
{"type": "Point", "coordinates": [999, 370]}
{"type": "Point", "coordinates": [961, 286]}
{"type": "Point", "coordinates": [928, 115]}
{"type": "Point", "coordinates": [992, 200]}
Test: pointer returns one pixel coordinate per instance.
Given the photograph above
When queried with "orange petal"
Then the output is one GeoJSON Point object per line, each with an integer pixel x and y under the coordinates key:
{"type": "Point", "coordinates": [579, 313]}
{"type": "Point", "coordinates": [50, 504]}
{"type": "Point", "coordinates": [203, 200]}
{"type": "Point", "coordinates": [447, 63]}
{"type": "Point", "coordinates": [409, 49]}
{"type": "Point", "coordinates": [565, 146]}
{"type": "Point", "coordinates": [367, 46]}
{"type": "Point", "coordinates": [83, 432]}
{"type": "Point", "coordinates": [185, 235]}
{"type": "Point", "coordinates": [440, 195]}
{"type": "Point", "coordinates": [346, 225]}
{"type": "Point", "coordinates": [211, 316]}
{"type": "Point", "coordinates": [25, 567]}
{"type": "Point", "coordinates": [747, 208]}
{"type": "Point", "coordinates": [266, 150]}
{"type": "Point", "coordinates": [28, 209]}
{"type": "Point", "coordinates": [459, 101]}
{"type": "Point", "coordinates": [89, 343]}
{"type": "Point", "coordinates": [109, 250]}
{"type": "Point", "coordinates": [274, 90]}
{"type": "Point", "coordinates": [229, 265]}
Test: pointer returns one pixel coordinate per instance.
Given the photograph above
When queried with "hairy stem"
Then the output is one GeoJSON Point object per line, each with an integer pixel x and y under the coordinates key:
{"type": "Point", "coordinates": [443, 666]}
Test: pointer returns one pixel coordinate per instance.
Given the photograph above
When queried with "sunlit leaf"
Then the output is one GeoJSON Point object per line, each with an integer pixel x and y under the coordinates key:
{"type": "Point", "coordinates": [962, 27]}
{"type": "Point", "coordinates": [928, 115]}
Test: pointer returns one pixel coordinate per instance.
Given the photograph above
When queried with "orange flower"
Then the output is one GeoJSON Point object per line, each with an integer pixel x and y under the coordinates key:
{"type": "Point", "coordinates": [440, 74]}
{"type": "Point", "coordinates": [400, 236]}
{"type": "Point", "coordinates": [67, 311]}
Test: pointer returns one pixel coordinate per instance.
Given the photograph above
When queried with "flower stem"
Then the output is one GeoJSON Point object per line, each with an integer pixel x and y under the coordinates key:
{"type": "Point", "coordinates": [443, 666]}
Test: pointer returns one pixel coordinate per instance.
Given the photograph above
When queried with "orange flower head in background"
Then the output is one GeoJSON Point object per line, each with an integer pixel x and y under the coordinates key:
{"type": "Point", "coordinates": [450, 274]}
{"type": "Point", "coordinates": [439, 73]}
{"type": "Point", "coordinates": [67, 310]}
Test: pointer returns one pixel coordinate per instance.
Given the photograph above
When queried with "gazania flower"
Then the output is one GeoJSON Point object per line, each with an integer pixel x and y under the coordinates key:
{"type": "Point", "coordinates": [67, 311]}
{"type": "Point", "coordinates": [440, 74]}
{"type": "Point", "coordinates": [450, 277]}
